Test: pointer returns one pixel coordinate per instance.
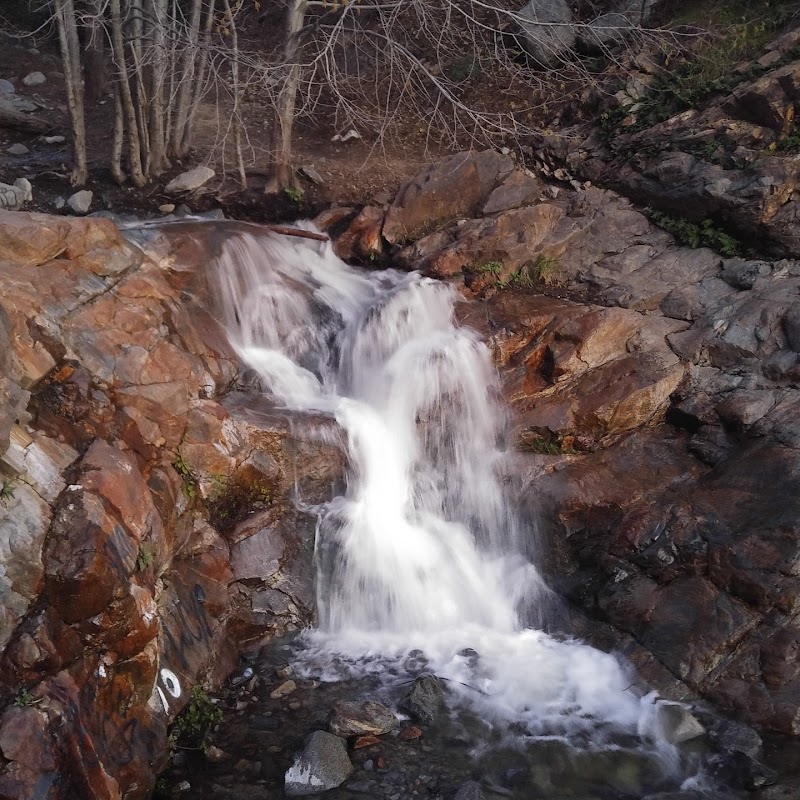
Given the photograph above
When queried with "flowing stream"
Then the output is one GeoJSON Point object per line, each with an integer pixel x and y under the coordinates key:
{"type": "Point", "coordinates": [424, 553]}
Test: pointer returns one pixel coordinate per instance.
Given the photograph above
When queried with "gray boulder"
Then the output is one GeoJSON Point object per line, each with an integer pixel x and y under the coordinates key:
{"type": "Point", "coordinates": [80, 202]}
{"type": "Point", "coordinates": [191, 180]}
{"type": "Point", "coordinates": [424, 700]}
{"type": "Point", "coordinates": [678, 724]}
{"type": "Point", "coordinates": [34, 79]}
{"type": "Point", "coordinates": [12, 198]}
{"type": "Point", "coordinates": [322, 765]}
{"type": "Point", "coordinates": [606, 32]}
{"type": "Point", "coordinates": [546, 31]}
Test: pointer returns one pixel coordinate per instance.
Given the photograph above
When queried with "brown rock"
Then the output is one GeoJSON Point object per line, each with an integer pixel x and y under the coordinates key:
{"type": "Point", "coordinates": [409, 733]}
{"type": "Point", "coordinates": [455, 187]}
{"type": "Point", "coordinates": [365, 741]}
{"type": "Point", "coordinates": [362, 237]}
{"type": "Point", "coordinates": [284, 690]}
{"type": "Point", "coordinates": [358, 719]}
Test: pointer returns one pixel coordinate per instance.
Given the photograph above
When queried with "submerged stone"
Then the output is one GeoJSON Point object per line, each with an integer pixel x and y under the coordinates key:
{"type": "Point", "coordinates": [425, 699]}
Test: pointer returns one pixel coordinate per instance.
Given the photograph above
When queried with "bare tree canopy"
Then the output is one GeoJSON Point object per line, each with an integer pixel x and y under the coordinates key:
{"type": "Point", "coordinates": [368, 65]}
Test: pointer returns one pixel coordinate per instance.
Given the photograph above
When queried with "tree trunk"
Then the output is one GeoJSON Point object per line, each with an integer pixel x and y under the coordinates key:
{"type": "Point", "coordinates": [237, 123]}
{"type": "Point", "coordinates": [94, 56]}
{"type": "Point", "coordinates": [282, 165]}
{"type": "Point", "coordinates": [187, 71]}
{"type": "Point", "coordinates": [117, 140]}
{"type": "Point", "coordinates": [158, 143]}
{"type": "Point", "coordinates": [199, 84]}
{"type": "Point", "coordinates": [71, 60]}
{"type": "Point", "coordinates": [134, 147]}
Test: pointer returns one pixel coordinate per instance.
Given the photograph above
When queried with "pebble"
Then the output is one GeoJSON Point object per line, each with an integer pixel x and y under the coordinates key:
{"type": "Point", "coordinates": [369, 765]}
{"type": "Point", "coordinates": [407, 734]}
{"type": "Point", "coordinates": [183, 786]}
{"type": "Point", "coordinates": [285, 671]}
{"type": "Point", "coordinates": [215, 755]}
{"type": "Point", "coordinates": [295, 705]}
{"type": "Point", "coordinates": [285, 689]}
{"type": "Point", "coordinates": [6, 87]}
{"type": "Point", "coordinates": [167, 208]}
{"type": "Point", "coordinates": [17, 149]}
{"type": "Point", "coordinates": [54, 139]}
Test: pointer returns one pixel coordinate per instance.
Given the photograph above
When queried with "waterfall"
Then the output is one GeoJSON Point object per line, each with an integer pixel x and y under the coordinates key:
{"type": "Point", "coordinates": [425, 550]}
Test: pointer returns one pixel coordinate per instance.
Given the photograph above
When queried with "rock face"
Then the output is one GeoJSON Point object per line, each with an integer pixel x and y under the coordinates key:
{"type": "Point", "coordinates": [146, 527]}
{"type": "Point", "coordinates": [653, 391]}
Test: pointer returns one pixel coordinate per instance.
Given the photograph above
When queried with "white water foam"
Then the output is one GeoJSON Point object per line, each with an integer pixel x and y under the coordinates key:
{"type": "Point", "coordinates": [424, 550]}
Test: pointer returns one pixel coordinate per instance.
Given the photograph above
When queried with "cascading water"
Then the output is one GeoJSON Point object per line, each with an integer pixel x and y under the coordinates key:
{"type": "Point", "coordinates": [424, 551]}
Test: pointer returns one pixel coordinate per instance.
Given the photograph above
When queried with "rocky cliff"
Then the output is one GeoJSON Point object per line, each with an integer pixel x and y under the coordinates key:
{"type": "Point", "coordinates": [147, 530]}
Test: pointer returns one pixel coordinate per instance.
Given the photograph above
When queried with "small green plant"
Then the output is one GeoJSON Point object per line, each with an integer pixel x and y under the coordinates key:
{"type": "Point", "coordinates": [490, 268]}
{"type": "Point", "coordinates": [144, 559]}
{"type": "Point", "coordinates": [189, 482]}
{"type": "Point", "coordinates": [6, 490]}
{"type": "Point", "coordinates": [193, 726]}
{"type": "Point", "coordinates": [706, 234]}
{"type": "Point", "coordinates": [232, 499]}
{"type": "Point", "coordinates": [521, 278]}
{"type": "Point", "coordinates": [25, 698]}
{"type": "Point", "coordinates": [546, 270]}
{"type": "Point", "coordinates": [545, 447]}
{"type": "Point", "coordinates": [294, 194]}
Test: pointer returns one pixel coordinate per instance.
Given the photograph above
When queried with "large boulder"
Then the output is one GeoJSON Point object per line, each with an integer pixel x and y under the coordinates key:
{"type": "Point", "coordinates": [547, 32]}
{"type": "Point", "coordinates": [322, 765]}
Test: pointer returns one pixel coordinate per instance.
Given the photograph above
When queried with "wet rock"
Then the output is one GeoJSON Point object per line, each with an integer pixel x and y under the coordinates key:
{"type": "Point", "coordinates": [322, 765]}
{"type": "Point", "coordinates": [365, 741]}
{"type": "Point", "coordinates": [425, 700]}
{"type": "Point", "coordinates": [80, 202]}
{"type": "Point", "coordinates": [54, 139]}
{"type": "Point", "coordinates": [358, 719]}
{"type": "Point", "coordinates": [166, 208]}
{"type": "Point", "coordinates": [678, 724]}
{"type": "Point", "coordinates": [410, 733]}
{"type": "Point", "coordinates": [190, 180]}
{"type": "Point", "coordinates": [34, 79]}
{"type": "Point", "coordinates": [471, 790]}
{"type": "Point", "coordinates": [735, 737]}
{"type": "Point", "coordinates": [547, 34]}
{"type": "Point", "coordinates": [362, 238]}
{"type": "Point", "coordinates": [6, 87]}
{"type": "Point", "coordinates": [17, 149]}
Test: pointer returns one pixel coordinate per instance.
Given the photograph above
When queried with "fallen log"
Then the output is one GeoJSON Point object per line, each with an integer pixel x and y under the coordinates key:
{"type": "Point", "coordinates": [287, 231]}
{"type": "Point", "coordinates": [27, 123]}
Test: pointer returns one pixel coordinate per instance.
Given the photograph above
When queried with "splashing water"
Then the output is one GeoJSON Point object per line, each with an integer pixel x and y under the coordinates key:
{"type": "Point", "coordinates": [424, 550]}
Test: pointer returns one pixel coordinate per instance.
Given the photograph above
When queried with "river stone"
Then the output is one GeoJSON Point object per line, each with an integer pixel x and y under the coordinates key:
{"type": "Point", "coordinates": [735, 737]}
{"type": "Point", "coordinates": [546, 31]}
{"type": "Point", "coordinates": [322, 765]}
{"type": "Point", "coordinates": [80, 202]}
{"type": "Point", "coordinates": [424, 700]}
{"type": "Point", "coordinates": [34, 79]}
{"type": "Point", "coordinates": [359, 719]}
{"type": "Point", "coordinates": [191, 180]}
{"type": "Point", "coordinates": [17, 149]}
{"type": "Point", "coordinates": [6, 87]}
{"type": "Point", "coordinates": [678, 724]}
{"type": "Point", "coordinates": [471, 790]}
